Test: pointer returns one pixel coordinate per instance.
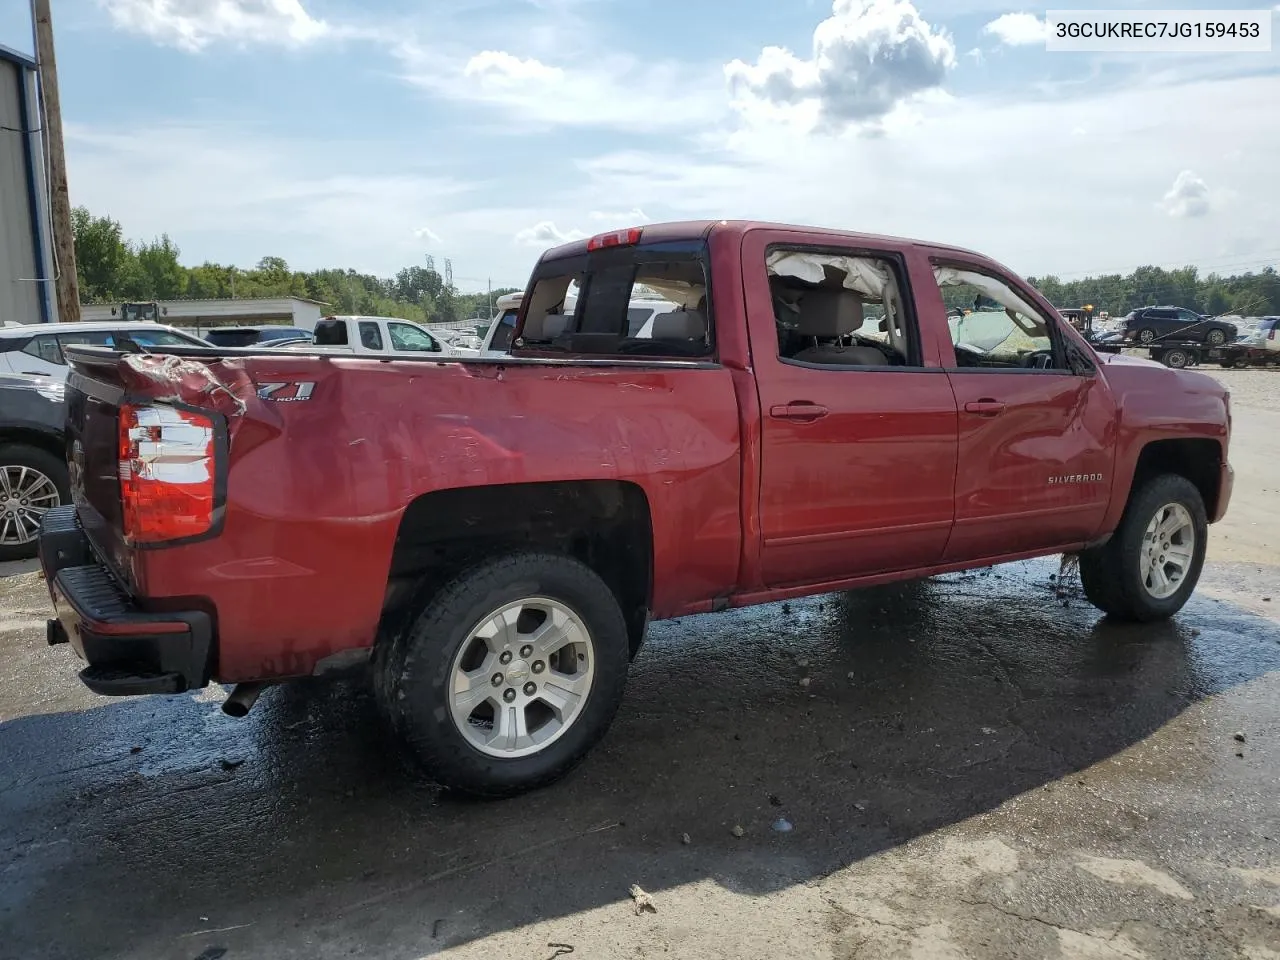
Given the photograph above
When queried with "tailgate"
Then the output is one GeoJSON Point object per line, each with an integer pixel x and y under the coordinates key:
{"type": "Point", "coordinates": [176, 410]}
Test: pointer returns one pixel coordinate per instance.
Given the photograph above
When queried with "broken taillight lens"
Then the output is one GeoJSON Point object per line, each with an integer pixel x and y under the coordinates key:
{"type": "Point", "coordinates": [167, 473]}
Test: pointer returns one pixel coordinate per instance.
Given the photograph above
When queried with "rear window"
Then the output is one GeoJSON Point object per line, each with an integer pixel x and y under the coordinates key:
{"type": "Point", "coordinates": [331, 333]}
{"type": "Point", "coordinates": [599, 320]}
{"type": "Point", "coordinates": [232, 338]}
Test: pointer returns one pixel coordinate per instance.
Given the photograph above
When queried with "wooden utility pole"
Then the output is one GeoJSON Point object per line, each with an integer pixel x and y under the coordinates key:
{"type": "Point", "coordinates": [64, 246]}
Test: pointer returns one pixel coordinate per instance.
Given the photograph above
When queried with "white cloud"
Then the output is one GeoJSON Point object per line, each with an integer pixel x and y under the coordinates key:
{"type": "Point", "coordinates": [547, 234]}
{"type": "Point", "coordinates": [868, 57]}
{"type": "Point", "coordinates": [976, 55]}
{"type": "Point", "coordinates": [195, 24]}
{"type": "Point", "coordinates": [500, 67]}
{"type": "Point", "coordinates": [603, 90]}
{"type": "Point", "coordinates": [1018, 29]}
{"type": "Point", "coordinates": [1188, 197]}
{"type": "Point", "coordinates": [1020, 198]}
{"type": "Point", "coordinates": [427, 234]}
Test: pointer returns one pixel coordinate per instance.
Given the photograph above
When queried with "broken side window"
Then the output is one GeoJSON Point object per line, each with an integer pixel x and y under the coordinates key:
{"type": "Point", "coordinates": [991, 324]}
{"type": "Point", "coordinates": [839, 309]}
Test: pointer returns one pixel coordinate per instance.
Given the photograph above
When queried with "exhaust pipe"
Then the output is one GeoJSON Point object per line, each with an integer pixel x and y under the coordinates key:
{"type": "Point", "coordinates": [241, 699]}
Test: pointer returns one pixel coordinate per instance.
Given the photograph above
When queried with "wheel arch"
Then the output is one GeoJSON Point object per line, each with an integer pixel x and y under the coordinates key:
{"type": "Point", "coordinates": [1198, 459]}
{"type": "Point", "coordinates": [47, 440]}
{"type": "Point", "coordinates": [605, 524]}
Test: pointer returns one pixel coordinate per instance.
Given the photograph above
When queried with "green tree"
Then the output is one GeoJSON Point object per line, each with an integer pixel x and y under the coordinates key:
{"type": "Point", "coordinates": [162, 276]}
{"type": "Point", "coordinates": [102, 256]}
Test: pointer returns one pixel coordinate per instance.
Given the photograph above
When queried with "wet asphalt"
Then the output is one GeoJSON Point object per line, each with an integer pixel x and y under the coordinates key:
{"type": "Point", "coordinates": [887, 726]}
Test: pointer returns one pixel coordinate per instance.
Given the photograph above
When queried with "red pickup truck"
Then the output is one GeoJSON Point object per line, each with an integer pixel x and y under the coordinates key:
{"type": "Point", "coordinates": [491, 538]}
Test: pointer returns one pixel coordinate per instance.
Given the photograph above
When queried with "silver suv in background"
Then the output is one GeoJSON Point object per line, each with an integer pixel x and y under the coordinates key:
{"type": "Point", "coordinates": [36, 348]}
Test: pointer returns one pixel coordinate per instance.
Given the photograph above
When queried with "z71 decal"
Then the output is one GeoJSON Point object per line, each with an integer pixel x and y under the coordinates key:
{"type": "Point", "coordinates": [286, 392]}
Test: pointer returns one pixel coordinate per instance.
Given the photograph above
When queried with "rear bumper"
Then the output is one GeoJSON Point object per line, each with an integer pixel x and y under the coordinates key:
{"type": "Point", "coordinates": [127, 650]}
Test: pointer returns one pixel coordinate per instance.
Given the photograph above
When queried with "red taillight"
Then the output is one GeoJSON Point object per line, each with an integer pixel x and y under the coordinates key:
{"type": "Point", "coordinates": [167, 473]}
{"type": "Point", "coordinates": [619, 238]}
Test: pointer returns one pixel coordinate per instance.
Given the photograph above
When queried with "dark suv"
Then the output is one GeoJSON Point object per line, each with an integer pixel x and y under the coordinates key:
{"type": "Point", "coordinates": [33, 468]}
{"type": "Point", "coordinates": [1151, 324]}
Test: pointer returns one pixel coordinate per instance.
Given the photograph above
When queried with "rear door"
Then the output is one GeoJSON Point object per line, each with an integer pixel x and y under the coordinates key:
{"type": "Point", "coordinates": [858, 428]}
{"type": "Point", "coordinates": [1036, 420]}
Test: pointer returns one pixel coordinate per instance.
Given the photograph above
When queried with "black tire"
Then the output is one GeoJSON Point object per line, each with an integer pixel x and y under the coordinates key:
{"type": "Point", "coordinates": [412, 675]}
{"type": "Point", "coordinates": [1216, 338]}
{"type": "Point", "coordinates": [1146, 335]}
{"type": "Point", "coordinates": [55, 468]}
{"type": "Point", "coordinates": [1176, 359]}
{"type": "Point", "coordinates": [1112, 573]}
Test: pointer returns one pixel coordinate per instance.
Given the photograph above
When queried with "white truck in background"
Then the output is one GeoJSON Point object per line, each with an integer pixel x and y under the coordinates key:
{"type": "Point", "coordinates": [380, 336]}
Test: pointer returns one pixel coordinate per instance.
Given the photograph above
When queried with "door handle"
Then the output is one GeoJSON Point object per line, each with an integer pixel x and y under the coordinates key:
{"type": "Point", "coordinates": [801, 411]}
{"type": "Point", "coordinates": [986, 407]}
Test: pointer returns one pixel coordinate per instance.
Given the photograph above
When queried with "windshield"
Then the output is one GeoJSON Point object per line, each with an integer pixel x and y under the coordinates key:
{"type": "Point", "coordinates": [159, 338]}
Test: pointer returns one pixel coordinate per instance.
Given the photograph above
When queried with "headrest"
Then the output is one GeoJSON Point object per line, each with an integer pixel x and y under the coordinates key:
{"type": "Point", "coordinates": [680, 325]}
{"type": "Point", "coordinates": [546, 327]}
{"type": "Point", "coordinates": [829, 313]}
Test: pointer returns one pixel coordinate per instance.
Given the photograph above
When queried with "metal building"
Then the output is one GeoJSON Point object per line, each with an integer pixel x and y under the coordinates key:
{"type": "Point", "coordinates": [27, 292]}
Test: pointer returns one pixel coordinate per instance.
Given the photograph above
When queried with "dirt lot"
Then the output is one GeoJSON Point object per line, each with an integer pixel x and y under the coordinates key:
{"type": "Point", "coordinates": [972, 771]}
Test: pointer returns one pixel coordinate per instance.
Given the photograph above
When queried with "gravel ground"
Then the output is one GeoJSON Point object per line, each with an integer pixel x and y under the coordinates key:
{"type": "Point", "coordinates": [1258, 388]}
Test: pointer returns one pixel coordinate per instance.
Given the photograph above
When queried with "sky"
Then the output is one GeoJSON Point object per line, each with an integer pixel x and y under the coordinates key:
{"type": "Point", "coordinates": [372, 134]}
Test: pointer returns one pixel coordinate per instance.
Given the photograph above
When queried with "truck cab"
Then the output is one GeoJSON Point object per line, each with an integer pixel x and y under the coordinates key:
{"type": "Point", "coordinates": [382, 336]}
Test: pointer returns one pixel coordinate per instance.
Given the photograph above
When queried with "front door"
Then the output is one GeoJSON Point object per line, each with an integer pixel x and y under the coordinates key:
{"type": "Point", "coordinates": [858, 434]}
{"type": "Point", "coordinates": [1036, 422]}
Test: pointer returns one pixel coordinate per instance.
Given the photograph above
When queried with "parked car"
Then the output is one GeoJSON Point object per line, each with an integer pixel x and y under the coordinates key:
{"type": "Point", "coordinates": [36, 348]}
{"type": "Point", "coordinates": [33, 467]}
{"type": "Point", "coordinates": [492, 544]}
{"type": "Point", "coordinates": [1150, 324]}
{"type": "Point", "coordinates": [1257, 346]}
{"type": "Point", "coordinates": [265, 335]}
{"type": "Point", "coordinates": [1265, 335]}
{"type": "Point", "coordinates": [382, 336]}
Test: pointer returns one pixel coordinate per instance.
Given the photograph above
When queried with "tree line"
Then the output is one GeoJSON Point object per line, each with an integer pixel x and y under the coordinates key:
{"type": "Point", "coordinates": [112, 269]}
{"type": "Point", "coordinates": [1248, 294]}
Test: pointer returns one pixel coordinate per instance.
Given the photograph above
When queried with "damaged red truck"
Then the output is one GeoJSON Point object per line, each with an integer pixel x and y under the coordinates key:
{"type": "Point", "coordinates": [491, 538]}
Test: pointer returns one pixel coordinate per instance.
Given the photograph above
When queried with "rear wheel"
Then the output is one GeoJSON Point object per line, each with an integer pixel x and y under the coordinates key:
{"type": "Point", "coordinates": [508, 675]}
{"type": "Point", "coordinates": [1177, 359]}
{"type": "Point", "coordinates": [1146, 335]}
{"type": "Point", "coordinates": [1216, 338]}
{"type": "Point", "coordinates": [1151, 564]}
{"type": "Point", "coordinates": [32, 481]}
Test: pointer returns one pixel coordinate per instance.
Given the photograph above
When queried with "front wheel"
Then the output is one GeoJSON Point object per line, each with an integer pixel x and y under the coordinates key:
{"type": "Point", "coordinates": [508, 675]}
{"type": "Point", "coordinates": [1151, 564]}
